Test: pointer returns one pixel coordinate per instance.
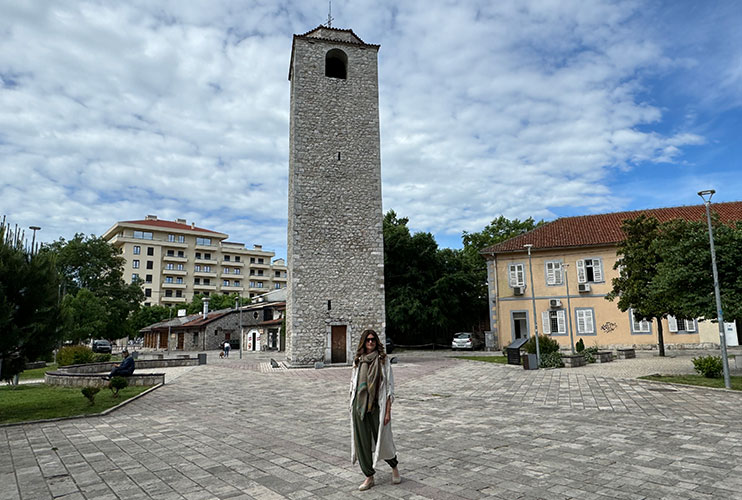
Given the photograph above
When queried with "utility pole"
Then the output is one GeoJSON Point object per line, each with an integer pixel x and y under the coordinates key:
{"type": "Point", "coordinates": [533, 301]}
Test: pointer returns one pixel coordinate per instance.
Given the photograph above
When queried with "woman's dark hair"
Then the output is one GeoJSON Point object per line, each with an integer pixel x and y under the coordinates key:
{"type": "Point", "coordinates": [362, 346]}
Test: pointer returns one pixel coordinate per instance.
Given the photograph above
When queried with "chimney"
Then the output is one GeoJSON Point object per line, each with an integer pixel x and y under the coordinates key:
{"type": "Point", "coordinates": [258, 247]}
{"type": "Point", "coordinates": [193, 225]}
{"type": "Point", "coordinates": [181, 221]}
{"type": "Point", "coordinates": [151, 217]}
{"type": "Point", "coordinates": [206, 306]}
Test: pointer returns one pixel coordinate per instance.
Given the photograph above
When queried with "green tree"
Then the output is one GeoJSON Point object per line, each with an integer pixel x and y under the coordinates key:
{"type": "Point", "coordinates": [84, 316]}
{"type": "Point", "coordinates": [29, 309]}
{"type": "Point", "coordinates": [146, 316]}
{"type": "Point", "coordinates": [216, 302]}
{"type": "Point", "coordinates": [684, 272]}
{"type": "Point", "coordinates": [91, 263]}
{"type": "Point", "coordinates": [638, 264]}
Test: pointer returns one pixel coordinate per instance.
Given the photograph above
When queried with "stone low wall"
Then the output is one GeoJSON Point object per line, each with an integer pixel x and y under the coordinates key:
{"type": "Point", "coordinates": [144, 364]}
{"type": "Point", "coordinates": [65, 379]}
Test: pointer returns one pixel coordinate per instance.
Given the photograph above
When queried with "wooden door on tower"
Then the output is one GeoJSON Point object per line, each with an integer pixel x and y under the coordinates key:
{"type": "Point", "coordinates": [337, 347]}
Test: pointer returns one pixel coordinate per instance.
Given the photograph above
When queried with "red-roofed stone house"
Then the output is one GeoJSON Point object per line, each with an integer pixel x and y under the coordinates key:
{"type": "Point", "coordinates": [572, 260]}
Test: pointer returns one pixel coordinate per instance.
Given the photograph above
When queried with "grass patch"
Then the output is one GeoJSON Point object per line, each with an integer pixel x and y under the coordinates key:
{"type": "Point", "coordinates": [40, 401]}
{"type": "Point", "coordinates": [487, 359]}
{"type": "Point", "coordinates": [700, 380]}
{"type": "Point", "coordinates": [37, 373]}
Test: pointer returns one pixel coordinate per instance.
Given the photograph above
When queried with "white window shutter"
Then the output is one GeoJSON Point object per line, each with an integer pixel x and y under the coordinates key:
{"type": "Point", "coordinates": [589, 322]}
{"type": "Point", "coordinates": [546, 322]}
{"type": "Point", "coordinates": [581, 321]}
{"type": "Point", "coordinates": [581, 271]}
{"type": "Point", "coordinates": [558, 279]}
{"type": "Point", "coordinates": [562, 321]}
{"type": "Point", "coordinates": [550, 278]}
{"type": "Point", "coordinates": [690, 325]}
{"type": "Point", "coordinates": [521, 276]}
{"type": "Point", "coordinates": [597, 270]}
{"type": "Point", "coordinates": [513, 276]}
{"type": "Point", "coordinates": [672, 324]}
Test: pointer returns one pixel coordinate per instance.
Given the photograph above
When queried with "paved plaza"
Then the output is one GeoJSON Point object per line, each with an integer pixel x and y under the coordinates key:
{"type": "Point", "coordinates": [238, 429]}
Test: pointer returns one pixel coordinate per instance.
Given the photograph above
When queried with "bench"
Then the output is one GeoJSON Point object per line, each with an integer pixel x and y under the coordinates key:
{"type": "Point", "coordinates": [626, 352]}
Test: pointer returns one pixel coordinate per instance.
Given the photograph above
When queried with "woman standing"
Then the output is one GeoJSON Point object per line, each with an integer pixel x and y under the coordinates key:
{"type": "Point", "coordinates": [371, 396]}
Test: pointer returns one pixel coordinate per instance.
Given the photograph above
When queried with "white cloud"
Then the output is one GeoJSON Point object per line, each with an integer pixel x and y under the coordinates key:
{"type": "Point", "coordinates": [111, 111]}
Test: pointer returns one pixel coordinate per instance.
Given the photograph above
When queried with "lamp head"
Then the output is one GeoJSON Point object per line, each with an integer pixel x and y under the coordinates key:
{"type": "Point", "coordinates": [706, 192]}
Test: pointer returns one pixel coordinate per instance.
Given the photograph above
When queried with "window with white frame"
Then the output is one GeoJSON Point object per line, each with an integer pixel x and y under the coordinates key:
{"type": "Point", "coordinates": [135, 264]}
{"type": "Point", "coordinates": [681, 325]}
{"type": "Point", "coordinates": [134, 277]}
{"type": "Point", "coordinates": [181, 238]}
{"type": "Point", "coordinates": [207, 269]}
{"type": "Point", "coordinates": [197, 268]}
{"type": "Point", "coordinates": [171, 237]}
{"type": "Point", "coordinates": [169, 266]}
{"type": "Point", "coordinates": [516, 275]}
{"type": "Point", "coordinates": [225, 283]}
{"type": "Point", "coordinates": [143, 235]}
{"type": "Point", "coordinates": [137, 250]}
{"type": "Point", "coordinates": [590, 270]}
{"type": "Point", "coordinates": [226, 270]}
{"type": "Point", "coordinates": [585, 321]}
{"type": "Point", "coordinates": [168, 279]}
{"type": "Point", "coordinates": [554, 322]}
{"type": "Point", "coordinates": [554, 273]}
{"type": "Point", "coordinates": [180, 267]}
{"type": "Point", "coordinates": [277, 286]}
{"type": "Point", "coordinates": [203, 241]}
{"type": "Point", "coordinates": [639, 326]}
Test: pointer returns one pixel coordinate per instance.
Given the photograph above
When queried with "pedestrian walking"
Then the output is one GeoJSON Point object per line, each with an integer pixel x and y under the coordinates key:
{"type": "Point", "coordinates": [371, 397]}
{"type": "Point", "coordinates": [227, 347]}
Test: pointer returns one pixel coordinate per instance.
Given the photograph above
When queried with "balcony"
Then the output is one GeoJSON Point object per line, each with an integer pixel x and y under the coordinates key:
{"type": "Point", "coordinates": [174, 258]}
{"type": "Point", "coordinates": [232, 289]}
{"type": "Point", "coordinates": [260, 266]}
{"type": "Point", "coordinates": [173, 299]}
{"type": "Point", "coordinates": [174, 272]}
{"type": "Point", "coordinates": [260, 278]}
{"type": "Point", "coordinates": [280, 278]}
{"type": "Point", "coordinates": [205, 274]}
{"type": "Point", "coordinates": [204, 287]}
{"type": "Point", "coordinates": [180, 286]}
{"type": "Point", "coordinates": [232, 263]}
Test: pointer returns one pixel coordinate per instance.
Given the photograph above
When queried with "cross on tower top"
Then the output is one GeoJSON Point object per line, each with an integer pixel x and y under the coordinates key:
{"type": "Point", "coordinates": [329, 15]}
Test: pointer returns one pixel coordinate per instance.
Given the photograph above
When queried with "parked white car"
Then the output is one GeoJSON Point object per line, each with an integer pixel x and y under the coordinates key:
{"type": "Point", "coordinates": [462, 340]}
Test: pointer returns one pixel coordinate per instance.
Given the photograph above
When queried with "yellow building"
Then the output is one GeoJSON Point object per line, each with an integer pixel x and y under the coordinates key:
{"type": "Point", "coordinates": [572, 261]}
{"type": "Point", "coordinates": [175, 260]}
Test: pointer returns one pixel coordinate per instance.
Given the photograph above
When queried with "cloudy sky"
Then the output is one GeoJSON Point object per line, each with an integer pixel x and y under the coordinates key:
{"type": "Point", "coordinates": [546, 108]}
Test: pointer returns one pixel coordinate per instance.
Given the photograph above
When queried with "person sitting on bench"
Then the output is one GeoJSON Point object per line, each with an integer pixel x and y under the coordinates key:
{"type": "Point", "coordinates": [125, 368]}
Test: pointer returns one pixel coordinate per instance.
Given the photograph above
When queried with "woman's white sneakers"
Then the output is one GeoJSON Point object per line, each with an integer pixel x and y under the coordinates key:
{"type": "Point", "coordinates": [396, 479]}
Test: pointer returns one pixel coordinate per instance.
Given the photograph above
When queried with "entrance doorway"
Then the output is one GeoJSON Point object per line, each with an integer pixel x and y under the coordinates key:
{"type": "Point", "coordinates": [520, 325]}
{"type": "Point", "coordinates": [337, 344]}
{"type": "Point", "coordinates": [181, 341]}
{"type": "Point", "coordinates": [163, 340]}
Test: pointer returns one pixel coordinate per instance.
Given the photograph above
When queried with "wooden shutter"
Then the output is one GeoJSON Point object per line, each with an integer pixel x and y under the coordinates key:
{"type": "Point", "coordinates": [513, 276]}
{"type": "Point", "coordinates": [546, 322]}
{"type": "Point", "coordinates": [558, 273]}
{"type": "Point", "coordinates": [690, 325]}
{"type": "Point", "coordinates": [581, 278]}
{"type": "Point", "coordinates": [589, 321]}
{"type": "Point", "coordinates": [581, 321]}
{"type": "Point", "coordinates": [550, 277]}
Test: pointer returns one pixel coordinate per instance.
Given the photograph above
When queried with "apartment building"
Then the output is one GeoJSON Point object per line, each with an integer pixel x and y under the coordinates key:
{"type": "Point", "coordinates": [176, 260]}
{"type": "Point", "coordinates": [572, 262]}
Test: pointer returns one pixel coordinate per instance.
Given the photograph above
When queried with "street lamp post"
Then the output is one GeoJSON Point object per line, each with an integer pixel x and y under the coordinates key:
{"type": "Point", "coordinates": [533, 302]}
{"type": "Point", "coordinates": [33, 238]}
{"type": "Point", "coordinates": [239, 304]}
{"type": "Point", "coordinates": [569, 308]}
{"type": "Point", "coordinates": [717, 293]}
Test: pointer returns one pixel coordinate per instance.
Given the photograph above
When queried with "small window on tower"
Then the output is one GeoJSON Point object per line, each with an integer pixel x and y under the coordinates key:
{"type": "Point", "coordinates": [336, 64]}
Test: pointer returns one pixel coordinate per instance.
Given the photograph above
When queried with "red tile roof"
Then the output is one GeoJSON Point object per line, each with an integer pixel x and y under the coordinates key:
{"type": "Point", "coordinates": [605, 229]}
{"type": "Point", "coordinates": [170, 224]}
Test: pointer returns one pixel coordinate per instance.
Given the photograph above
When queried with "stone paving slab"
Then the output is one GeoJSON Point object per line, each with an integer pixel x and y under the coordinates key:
{"type": "Point", "coordinates": [463, 429]}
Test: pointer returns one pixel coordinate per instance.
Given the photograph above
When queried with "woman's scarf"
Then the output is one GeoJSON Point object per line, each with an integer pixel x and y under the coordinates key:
{"type": "Point", "coordinates": [369, 375]}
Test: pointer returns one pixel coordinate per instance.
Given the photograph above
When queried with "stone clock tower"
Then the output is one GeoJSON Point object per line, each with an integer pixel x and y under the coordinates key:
{"type": "Point", "coordinates": [335, 238]}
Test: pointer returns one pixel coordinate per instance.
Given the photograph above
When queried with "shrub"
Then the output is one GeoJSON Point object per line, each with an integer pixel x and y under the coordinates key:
{"type": "Point", "coordinates": [589, 353]}
{"type": "Point", "coordinates": [89, 393]}
{"type": "Point", "coordinates": [709, 366]}
{"type": "Point", "coordinates": [551, 360]}
{"type": "Point", "coordinates": [101, 358]}
{"type": "Point", "coordinates": [545, 344]}
{"type": "Point", "coordinates": [74, 355]}
{"type": "Point", "coordinates": [118, 383]}
{"type": "Point", "coordinates": [580, 346]}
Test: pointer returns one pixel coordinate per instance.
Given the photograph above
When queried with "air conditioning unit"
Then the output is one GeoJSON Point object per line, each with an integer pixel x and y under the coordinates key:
{"type": "Point", "coordinates": [518, 290]}
{"type": "Point", "coordinates": [583, 287]}
{"type": "Point", "coordinates": [554, 303]}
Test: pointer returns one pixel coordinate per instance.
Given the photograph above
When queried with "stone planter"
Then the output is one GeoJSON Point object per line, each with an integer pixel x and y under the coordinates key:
{"type": "Point", "coordinates": [573, 360]}
{"type": "Point", "coordinates": [626, 352]}
{"type": "Point", "coordinates": [604, 356]}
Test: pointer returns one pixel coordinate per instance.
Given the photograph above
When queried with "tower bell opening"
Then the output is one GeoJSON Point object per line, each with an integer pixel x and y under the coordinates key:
{"type": "Point", "coordinates": [336, 64]}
